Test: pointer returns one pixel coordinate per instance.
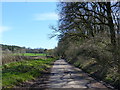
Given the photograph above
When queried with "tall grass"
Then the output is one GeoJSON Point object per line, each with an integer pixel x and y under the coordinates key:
{"type": "Point", "coordinates": [8, 57]}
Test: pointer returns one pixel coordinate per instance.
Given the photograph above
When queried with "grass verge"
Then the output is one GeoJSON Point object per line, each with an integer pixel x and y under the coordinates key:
{"type": "Point", "coordinates": [18, 72]}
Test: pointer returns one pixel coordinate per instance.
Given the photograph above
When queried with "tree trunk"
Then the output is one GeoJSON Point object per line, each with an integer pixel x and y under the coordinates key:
{"type": "Point", "coordinates": [111, 25]}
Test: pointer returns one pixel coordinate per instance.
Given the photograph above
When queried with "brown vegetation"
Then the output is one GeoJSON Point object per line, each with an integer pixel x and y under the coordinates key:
{"type": "Point", "coordinates": [10, 57]}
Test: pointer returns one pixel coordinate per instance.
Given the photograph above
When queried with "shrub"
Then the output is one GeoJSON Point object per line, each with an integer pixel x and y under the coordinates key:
{"type": "Point", "coordinates": [96, 57]}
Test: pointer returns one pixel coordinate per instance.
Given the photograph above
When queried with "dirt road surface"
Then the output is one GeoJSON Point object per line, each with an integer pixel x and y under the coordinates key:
{"type": "Point", "coordinates": [64, 75]}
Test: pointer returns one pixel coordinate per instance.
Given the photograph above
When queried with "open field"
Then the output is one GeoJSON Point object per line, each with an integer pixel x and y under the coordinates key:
{"type": "Point", "coordinates": [31, 54]}
{"type": "Point", "coordinates": [16, 72]}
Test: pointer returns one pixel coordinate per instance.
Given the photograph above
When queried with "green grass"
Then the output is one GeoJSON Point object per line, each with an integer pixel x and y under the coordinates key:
{"type": "Point", "coordinates": [17, 72]}
{"type": "Point", "coordinates": [31, 54]}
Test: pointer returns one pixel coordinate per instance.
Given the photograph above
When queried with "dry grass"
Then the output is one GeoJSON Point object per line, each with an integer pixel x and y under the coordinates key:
{"type": "Point", "coordinates": [8, 57]}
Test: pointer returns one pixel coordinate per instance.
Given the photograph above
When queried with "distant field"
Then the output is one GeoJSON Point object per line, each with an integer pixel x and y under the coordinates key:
{"type": "Point", "coordinates": [31, 54]}
{"type": "Point", "coordinates": [17, 72]}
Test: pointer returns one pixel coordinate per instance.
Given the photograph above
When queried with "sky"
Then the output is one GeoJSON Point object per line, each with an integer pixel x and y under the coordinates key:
{"type": "Point", "coordinates": [27, 24]}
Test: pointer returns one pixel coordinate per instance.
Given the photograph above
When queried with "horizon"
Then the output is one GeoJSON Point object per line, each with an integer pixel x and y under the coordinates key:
{"type": "Point", "coordinates": [26, 24]}
{"type": "Point", "coordinates": [24, 46]}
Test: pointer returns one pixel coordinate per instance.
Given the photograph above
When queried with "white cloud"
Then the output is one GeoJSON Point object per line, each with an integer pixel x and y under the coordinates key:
{"type": "Point", "coordinates": [4, 28]}
{"type": "Point", "coordinates": [46, 16]}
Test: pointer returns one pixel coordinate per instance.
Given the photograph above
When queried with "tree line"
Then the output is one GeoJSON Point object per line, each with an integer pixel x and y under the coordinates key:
{"type": "Point", "coordinates": [18, 49]}
{"type": "Point", "coordinates": [90, 29]}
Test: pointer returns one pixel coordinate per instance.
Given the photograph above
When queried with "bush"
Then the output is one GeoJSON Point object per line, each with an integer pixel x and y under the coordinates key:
{"type": "Point", "coordinates": [96, 57]}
